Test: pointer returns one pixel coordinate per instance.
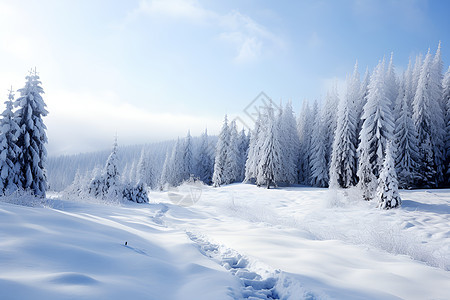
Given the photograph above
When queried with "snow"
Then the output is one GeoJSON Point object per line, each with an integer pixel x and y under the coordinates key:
{"type": "Point", "coordinates": [237, 241]}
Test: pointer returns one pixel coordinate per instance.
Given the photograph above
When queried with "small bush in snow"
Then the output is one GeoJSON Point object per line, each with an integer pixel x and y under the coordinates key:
{"type": "Point", "coordinates": [136, 193]}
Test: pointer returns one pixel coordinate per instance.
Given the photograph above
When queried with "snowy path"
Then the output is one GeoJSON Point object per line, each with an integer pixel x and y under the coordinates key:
{"type": "Point", "coordinates": [237, 242]}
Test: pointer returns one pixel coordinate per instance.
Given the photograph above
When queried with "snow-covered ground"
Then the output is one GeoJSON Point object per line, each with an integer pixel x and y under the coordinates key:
{"type": "Point", "coordinates": [236, 242]}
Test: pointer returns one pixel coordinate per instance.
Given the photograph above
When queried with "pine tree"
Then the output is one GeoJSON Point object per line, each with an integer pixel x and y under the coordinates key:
{"type": "Point", "coordinates": [438, 111]}
{"type": "Point", "coordinates": [223, 144]}
{"type": "Point", "coordinates": [391, 83]}
{"type": "Point", "coordinates": [111, 171]}
{"type": "Point", "coordinates": [8, 149]}
{"type": "Point", "coordinates": [330, 122]}
{"type": "Point", "coordinates": [232, 169]}
{"type": "Point", "coordinates": [319, 169]}
{"type": "Point", "coordinates": [290, 144]}
{"type": "Point", "coordinates": [362, 101]}
{"type": "Point", "coordinates": [378, 125]}
{"type": "Point", "coordinates": [407, 151]}
{"type": "Point", "coordinates": [343, 159]}
{"type": "Point", "coordinates": [387, 191]}
{"type": "Point", "coordinates": [428, 119]}
{"type": "Point", "coordinates": [204, 162]}
{"type": "Point", "coordinates": [446, 99]}
{"type": "Point", "coordinates": [145, 171]}
{"type": "Point", "coordinates": [165, 173]}
{"type": "Point", "coordinates": [304, 127]}
{"type": "Point", "coordinates": [32, 138]}
{"type": "Point", "coordinates": [176, 164]}
{"type": "Point", "coordinates": [269, 165]}
{"type": "Point", "coordinates": [188, 158]}
{"type": "Point", "coordinates": [253, 151]}
{"type": "Point", "coordinates": [243, 145]}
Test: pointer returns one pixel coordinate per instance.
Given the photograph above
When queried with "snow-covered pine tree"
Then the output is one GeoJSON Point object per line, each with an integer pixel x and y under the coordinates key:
{"type": "Point", "coordinates": [243, 145]}
{"type": "Point", "coordinates": [204, 162]}
{"type": "Point", "coordinates": [378, 125]}
{"type": "Point", "coordinates": [416, 73]}
{"type": "Point", "coordinates": [223, 144]}
{"type": "Point", "coordinates": [111, 172]}
{"type": "Point", "coordinates": [176, 164]}
{"type": "Point", "coordinates": [270, 159]}
{"type": "Point", "coordinates": [343, 158]}
{"type": "Point", "coordinates": [232, 168]}
{"type": "Point", "coordinates": [438, 120]}
{"type": "Point", "coordinates": [391, 83]}
{"type": "Point", "coordinates": [8, 149]}
{"type": "Point", "coordinates": [319, 169]}
{"type": "Point", "coordinates": [165, 173]}
{"type": "Point", "coordinates": [387, 191]}
{"type": "Point", "coordinates": [362, 101]}
{"type": "Point", "coordinates": [145, 171]}
{"type": "Point", "coordinates": [330, 121]}
{"type": "Point", "coordinates": [446, 97]}
{"type": "Point", "coordinates": [253, 150]}
{"type": "Point", "coordinates": [367, 180]}
{"type": "Point", "coordinates": [188, 158]}
{"type": "Point", "coordinates": [428, 119]}
{"type": "Point", "coordinates": [407, 152]}
{"type": "Point", "coordinates": [290, 144]}
{"type": "Point", "coordinates": [32, 138]}
{"type": "Point", "coordinates": [304, 127]}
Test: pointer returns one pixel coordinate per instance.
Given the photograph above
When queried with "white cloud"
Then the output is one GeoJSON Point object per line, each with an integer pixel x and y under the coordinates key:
{"type": "Point", "coordinates": [250, 39]}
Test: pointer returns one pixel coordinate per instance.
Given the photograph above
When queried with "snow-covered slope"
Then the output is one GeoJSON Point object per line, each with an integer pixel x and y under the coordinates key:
{"type": "Point", "coordinates": [236, 242]}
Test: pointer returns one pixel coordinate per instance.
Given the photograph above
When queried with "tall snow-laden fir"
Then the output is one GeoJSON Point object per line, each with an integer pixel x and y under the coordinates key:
{"type": "Point", "coordinates": [111, 171]}
{"type": "Point", "coordinates": [304, 127]}
{"type": "Point", "coordinates": [290, 144]}
{"type": "Point", "coordinates": [220, 175]}
{"type": "Point", "coordinates": [32, 137]}
{"type": "Point", "coordinates": [8, 149]}
{"type": "Point", "coordinates": [270, 160]}
{"type": "Point", "coordinates": [330, 122]}
{"type": "Point", "coordinates": [387, 191]}
{"type": "Point", "coordinates": [243, 144]}
{"type": "Point", "coordinates": [319, 168]}
{"type": "Point", "coordinates": [378, 125]}
{"type": "Point", "coordinates": [253, 150]}
{"type": "Point", "coordinates": [446, 100]}
{"type": "Point", "coordinates": [343, 157]}
{"type": "Point", "coordinates": [188, 158]}
{"type": "Point", "coordinates": [232, 167]}
{"type": "Point", "coordinates": [428, 119]}
{"type": "Point", "coordinates": [204, 162]}
{"type": "Point", "coordinates": [407, 152]}
{"type": "Point", "coordinates": [145, 171]}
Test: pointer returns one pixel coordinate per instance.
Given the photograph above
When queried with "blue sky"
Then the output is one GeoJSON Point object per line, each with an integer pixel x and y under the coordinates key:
{"type": "Point", "coordinates": [151, 70]}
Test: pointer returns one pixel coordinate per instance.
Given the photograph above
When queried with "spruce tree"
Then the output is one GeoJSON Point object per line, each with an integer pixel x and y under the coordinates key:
{"type": "Point", "coordinates": [144, 170]}
{"type": "Point", "coordinates": [378, 125]}
{"type": "Point", "coordinates": [269, 165]}
{"type": "Point", "coordinates": [32, 137]}
{"type": "Point", "coordinates": [111, 171]}
{"type": "Point", "coordinates": [232, 168]}
{"type": "Point", "coordinates": [243, 145]}
{"type": "Point", "coordinates": [304, 127]}
{"type": "Point", "coordinates": [428, 119]}
{"type": "Point", "coordinates": [9, 150]}
{"type": "Point", "coordinates": [187, 168]}
{"type": "Point", "coordinates": [253, 150]}
{"type": "Point", "coordinates": [407, 151]}
{"type": "Point", "coordinates": [387, 191]}
{"type": "Point", "coordinates": [446, 100]}
{"type": "Point", "coordinates": [204, 162]}
{"type": "Point", "coordinates": [222, 147]}
{"type": "Point", "coordinates": [290, 144]}
{"type": "Point", "coordinates": [343, 159]}
{"type": "Point", "coordinates": [319, 169]}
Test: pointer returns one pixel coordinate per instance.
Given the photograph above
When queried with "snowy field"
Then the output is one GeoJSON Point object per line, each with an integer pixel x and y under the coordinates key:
{"type": "Point", "coordinates": [236, 242]}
